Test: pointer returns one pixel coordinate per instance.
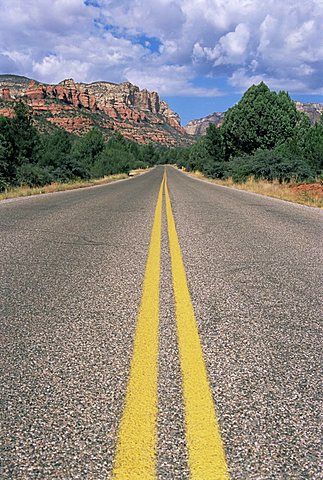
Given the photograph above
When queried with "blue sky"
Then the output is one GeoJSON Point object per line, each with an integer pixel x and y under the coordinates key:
{"type": "Point", "coordinates": [200, 55]}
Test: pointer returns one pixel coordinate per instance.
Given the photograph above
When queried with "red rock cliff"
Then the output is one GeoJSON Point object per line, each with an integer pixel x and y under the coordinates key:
{"type": "Point", "coordinates": [138, 114]}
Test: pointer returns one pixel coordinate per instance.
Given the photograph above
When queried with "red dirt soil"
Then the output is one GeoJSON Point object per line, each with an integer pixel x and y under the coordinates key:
{"type": "Point", "coordinates": [311, 188]}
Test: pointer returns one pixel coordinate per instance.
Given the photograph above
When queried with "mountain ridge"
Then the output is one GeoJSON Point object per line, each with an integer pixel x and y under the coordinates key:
{"type": "Point", "coordinates": [139, 115]}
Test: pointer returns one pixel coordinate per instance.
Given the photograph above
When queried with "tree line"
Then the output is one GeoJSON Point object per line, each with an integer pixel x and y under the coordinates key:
{"type": "Point", "coordinates": [263, 136]}
{"type": "Point", "coordinates": [28, 157]}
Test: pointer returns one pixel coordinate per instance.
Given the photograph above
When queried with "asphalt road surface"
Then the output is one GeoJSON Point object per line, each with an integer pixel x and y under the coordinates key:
{"type": "Point", "coordinates": [100, 356]}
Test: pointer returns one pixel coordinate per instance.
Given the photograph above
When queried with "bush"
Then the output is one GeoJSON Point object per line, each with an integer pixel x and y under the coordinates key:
{"type": "Point", "coordinates": [216, 169]}
{"type": "Point", "coordinates": [70, 170]}
{"type": "Point", "coordinates": [4, 164]}
{"type": "Point", "coordinates": [24, 136]}
{"type": "Point", "coordinates": [33, 175]}
{"type": "Point", "coordinates": [86, 149]}
{"type": "Point", "coordinates": [139, 164]}
{"type": "Point", "coordinates": [112, 161]}
{"type": "Point", "coordinates": [270, 165]}
{"type": "Point", "coordinates": [55, 148]}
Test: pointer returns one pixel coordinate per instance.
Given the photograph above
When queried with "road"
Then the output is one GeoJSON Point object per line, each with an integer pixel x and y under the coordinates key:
{"type": "Point", "coordinates": [101, 290]}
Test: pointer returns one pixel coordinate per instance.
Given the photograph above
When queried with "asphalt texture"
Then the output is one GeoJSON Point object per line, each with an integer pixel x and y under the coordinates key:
{"type": "Point", "coordinates": [71, 271]}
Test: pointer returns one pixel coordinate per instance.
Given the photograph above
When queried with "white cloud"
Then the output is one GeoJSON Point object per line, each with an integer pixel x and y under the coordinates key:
{"type": "Point", "coordinates": [231, 49]}
{"type": "Point", "coordinates": [61, 41]}
{"type": "Point", "coordinates": [243, 40]}
{"type": "Point", "coordinates": [159, 18]}
{"type": "Point", "coordinates": [168, 79]}
{"type": "Point", "coordinates": [54, 69]}
{"type": "Point", "coordinates": [242, 78]}
{"type": "Point", "coordinates": [282, 41]}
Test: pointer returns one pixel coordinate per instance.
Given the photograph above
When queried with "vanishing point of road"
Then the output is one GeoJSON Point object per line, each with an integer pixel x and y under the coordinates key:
{"type": "Point", "coordinates": [160, 327]}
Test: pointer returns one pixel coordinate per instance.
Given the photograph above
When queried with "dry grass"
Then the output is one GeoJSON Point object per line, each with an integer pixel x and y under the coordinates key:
{"type": "Point", "coordinates": [311, 195]}
{"type": "Point", "coordinates": [58, 187]}
{"type": "Point", "coordinates": [137, 171]}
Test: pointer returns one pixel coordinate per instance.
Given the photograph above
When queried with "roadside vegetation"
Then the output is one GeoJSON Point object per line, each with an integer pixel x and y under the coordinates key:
{"type": "Point", "coordinates": [60, 160]}
{"type": "Point", "coordinates": [310, 194]}
{"type": "Point", "coordinates": [264, 145]}
{"type": "Point", "coordinates": [26, 191]}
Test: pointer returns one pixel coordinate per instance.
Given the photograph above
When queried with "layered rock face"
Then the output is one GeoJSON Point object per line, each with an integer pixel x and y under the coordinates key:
{"type": "Point", "coordinates": [138, 114]}
{"type": "Point", "coordinates": [198, 127]}
{"type": "Point", "coordinates": [312, 110]}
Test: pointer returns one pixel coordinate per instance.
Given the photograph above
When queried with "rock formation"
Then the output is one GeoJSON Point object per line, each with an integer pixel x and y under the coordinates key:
{"type": "Point", "coordinates": [198, 127]}
{"type": "Point", "coordinates": [312, 110]}
{"type": "Point", "coordinates": [138, 114]}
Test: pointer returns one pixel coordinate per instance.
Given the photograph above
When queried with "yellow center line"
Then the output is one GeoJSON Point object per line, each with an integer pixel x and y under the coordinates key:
{"type": "Point", "coordinates": [205, 449]}
{"type": "Point", "coordinates": [136, 446]}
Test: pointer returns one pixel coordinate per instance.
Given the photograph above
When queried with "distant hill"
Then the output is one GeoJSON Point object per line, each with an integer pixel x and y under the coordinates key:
{"type": "Point", "coordinates": [139, 115]}
{"type": "Point", "coordinates": [312, 110]}
{"type": "Point", "coordinates": [198, 127]}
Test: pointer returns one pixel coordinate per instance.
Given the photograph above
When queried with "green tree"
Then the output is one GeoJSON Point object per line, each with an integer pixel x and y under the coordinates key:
{"type": "Point", "coordinates": [24, 136]}
{"type": "Point", "coordinates": [198, 155]}
{"type": "Point", "coordinates": [214, 142]}
{"type": "Point", "coordinates": [86, 149]}
{"type": "Point", "coordinates": [8, 166]}
{"type": "Point", "coordinates": [149, 154]}
{"type": "Point", "coordinates": [307, 144]}
{"type": "Point", "coordinates": [112, 160]}
{"type": "Point", "coordinates": [118, 141]}
{"type": "Point", "coordinates": [55, 148]}
{"type": "Point", "coordinates": [182, 157]}
{"type": "Point", "coordinates": [56, 160]}
{"type": "Point", "coordinates": [4, 164]}
{"type": "Point", "coordinates": [311, 146]}
{"type": "Point", "coordinates": [261, 119]}
{"type": "Point", "coordinates": [206, 155]}
{"type": "Point", "coordinates": [19, 144]}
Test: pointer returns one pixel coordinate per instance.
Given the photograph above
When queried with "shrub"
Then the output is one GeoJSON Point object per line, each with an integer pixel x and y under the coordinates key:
{"type": "Point", "coordinates": [33, 175]}
{"type": "Point", "coordinates": [70, 169]}
{"type": "Point", "coordinates": [270, 165]}
{"type": "Point", "coordinates": [112, 161]}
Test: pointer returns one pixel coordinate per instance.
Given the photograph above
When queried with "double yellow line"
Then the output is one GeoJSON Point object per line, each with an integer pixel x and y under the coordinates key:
{"type": "Point", "coordinates": [136, 446]}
